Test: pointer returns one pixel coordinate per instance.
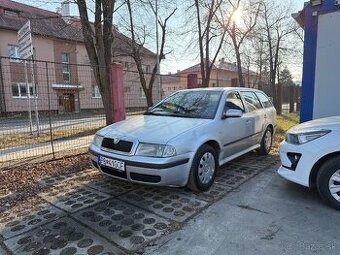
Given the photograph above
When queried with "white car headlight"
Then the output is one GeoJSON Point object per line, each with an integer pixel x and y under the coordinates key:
{"type": "Point", "coordinates": [155, 150]}
{"type": "Point", "coordinates": [97, 140]}
{"type": "Point", "coordinates": [305, 137]}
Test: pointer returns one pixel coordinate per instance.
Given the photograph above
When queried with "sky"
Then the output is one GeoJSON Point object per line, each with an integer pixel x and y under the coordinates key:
{"type": "Point", "coordinates": [180, 58]}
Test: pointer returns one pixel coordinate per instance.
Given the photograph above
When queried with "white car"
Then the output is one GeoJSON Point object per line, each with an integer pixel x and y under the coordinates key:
{"type": "Point", "coordinates": [310, 156]}
{"type": "Point", "coordinates": [184, 138]}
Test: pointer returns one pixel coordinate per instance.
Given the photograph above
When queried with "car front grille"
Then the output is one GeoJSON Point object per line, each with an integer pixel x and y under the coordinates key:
{"type": "Point", "coordinates": [122, 146]}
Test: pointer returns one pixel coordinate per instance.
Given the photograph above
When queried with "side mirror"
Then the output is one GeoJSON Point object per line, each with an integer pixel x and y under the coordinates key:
{"type": "Point", "coordinates": [232, 113]}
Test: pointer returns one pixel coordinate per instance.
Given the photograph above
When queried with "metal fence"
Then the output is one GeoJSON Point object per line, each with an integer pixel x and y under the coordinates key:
{"type": "Point", "coordinates": [49, 109]}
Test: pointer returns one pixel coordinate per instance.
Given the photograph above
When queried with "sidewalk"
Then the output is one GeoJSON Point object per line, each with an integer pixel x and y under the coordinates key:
{"type": "Point", "coordinates": [267, 215]}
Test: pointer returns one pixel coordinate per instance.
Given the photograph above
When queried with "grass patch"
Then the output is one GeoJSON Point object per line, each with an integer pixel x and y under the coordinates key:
{"type": "Point", "coordinates": [284, 123]}
{"type": "Point", "coordinates": [9, 141]}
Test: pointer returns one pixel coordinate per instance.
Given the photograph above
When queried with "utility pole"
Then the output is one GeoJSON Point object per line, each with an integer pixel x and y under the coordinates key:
{"type": "Point", "coordinates": [157, 49]}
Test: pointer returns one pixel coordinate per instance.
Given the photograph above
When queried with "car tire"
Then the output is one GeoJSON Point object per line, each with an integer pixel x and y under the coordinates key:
{"type": "Point", "coordinates": [328, 182]}
{"type": "Point", "coordinates": [266, 142]}
{"type": "Point", "coordinates": [203, 169]}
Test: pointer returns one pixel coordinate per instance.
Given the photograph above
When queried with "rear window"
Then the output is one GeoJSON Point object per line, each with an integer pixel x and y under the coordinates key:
{"type": "Point", "coordinates": [264, 100]}
{"type": "Point", "coordinates": [251, 101]}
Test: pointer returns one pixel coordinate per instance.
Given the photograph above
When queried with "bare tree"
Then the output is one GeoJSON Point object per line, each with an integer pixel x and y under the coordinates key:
{"type": "Point", "coordinates": [98, 40]}
{"type": "Point", "coordinates": [277, 25]}
{"type": "Point", "coordinates": [211, 28]}
{"type": "Point", "coordinates": [137, 44]}
{"type": "Point", "coordinates": [238, 33]}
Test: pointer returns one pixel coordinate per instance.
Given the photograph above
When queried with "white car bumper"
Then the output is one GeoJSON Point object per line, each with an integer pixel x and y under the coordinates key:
{"type": "Point", "coordinates": [297, 162]}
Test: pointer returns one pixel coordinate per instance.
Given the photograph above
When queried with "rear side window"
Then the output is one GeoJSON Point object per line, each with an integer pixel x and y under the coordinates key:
{"type": "Point", "coordinates": [234, 101]}
{"type": "Point", "coordinates": [251, 101]}
{"type": "Point", "coordinates": [264, 100]}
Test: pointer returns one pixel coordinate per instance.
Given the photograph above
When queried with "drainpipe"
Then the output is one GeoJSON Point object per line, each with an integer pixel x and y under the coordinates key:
{"type": "Point", "coordinates": [2, 92]}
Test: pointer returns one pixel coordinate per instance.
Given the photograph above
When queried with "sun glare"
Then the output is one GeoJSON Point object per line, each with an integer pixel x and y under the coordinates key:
{"type": "Point", "coordinates": [237, 17]}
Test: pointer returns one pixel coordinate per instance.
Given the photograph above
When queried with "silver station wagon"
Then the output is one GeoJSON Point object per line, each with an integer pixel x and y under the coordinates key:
{"type": "Point", "coordinates": [184, 139]}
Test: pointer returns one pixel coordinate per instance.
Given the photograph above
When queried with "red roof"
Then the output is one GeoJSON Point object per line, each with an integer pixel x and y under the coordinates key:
{"type": "Point", "coordinates": [43, 22]}
{"type": "Point", "coordinates": [51, 24]}
{"type": "Point", "coordinates": [223, 65]}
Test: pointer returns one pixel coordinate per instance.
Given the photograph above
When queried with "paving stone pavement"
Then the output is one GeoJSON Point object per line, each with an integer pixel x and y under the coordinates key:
{"type": "Point", "coordinates": [90, 213]}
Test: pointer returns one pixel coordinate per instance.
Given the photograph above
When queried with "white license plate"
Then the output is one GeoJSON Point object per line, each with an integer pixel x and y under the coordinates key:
{"type": "Point", "coordinates": [112, 163]}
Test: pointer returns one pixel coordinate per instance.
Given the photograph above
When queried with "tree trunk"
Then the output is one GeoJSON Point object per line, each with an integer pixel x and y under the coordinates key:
{"type": "Point", "coordinates": [98, 44]}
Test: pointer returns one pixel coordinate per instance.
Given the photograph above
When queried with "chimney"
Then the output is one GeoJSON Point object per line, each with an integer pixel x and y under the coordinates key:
{"type": "Point", "coordinates": [65, 10]}
{"type": "Point", "coordinates": [58, 10]}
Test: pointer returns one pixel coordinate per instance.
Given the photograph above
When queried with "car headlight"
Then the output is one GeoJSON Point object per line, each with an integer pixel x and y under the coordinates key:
{"type": "Point", "coordinates": [97, 140]}
{"type": "Point", "coordinates": [155, 150]}
{"type": "Point", "coordinates": [305, 137]}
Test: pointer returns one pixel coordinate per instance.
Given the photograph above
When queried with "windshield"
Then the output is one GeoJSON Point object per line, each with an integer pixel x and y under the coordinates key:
{"type": "Point", "coordinates": [189, 104]}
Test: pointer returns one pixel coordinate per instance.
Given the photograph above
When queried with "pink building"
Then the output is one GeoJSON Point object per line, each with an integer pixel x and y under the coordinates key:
{"type": "Point", "coordinates": [223, 74]}
{"type": "Point", "coordinates": [63, 79]}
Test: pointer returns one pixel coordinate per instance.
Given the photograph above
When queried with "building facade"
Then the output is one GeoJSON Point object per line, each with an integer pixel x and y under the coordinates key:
{"type": "Point", "coordinates": [223, 74]}
{"type": "Point", "coordinates": [62, 76]}
{"type": "Point", "coordinates": [320, 82]}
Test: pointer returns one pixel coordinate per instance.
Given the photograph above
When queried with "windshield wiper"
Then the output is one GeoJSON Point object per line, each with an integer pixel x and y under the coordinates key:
{"type": "Point", "coordinates": [153, 113]}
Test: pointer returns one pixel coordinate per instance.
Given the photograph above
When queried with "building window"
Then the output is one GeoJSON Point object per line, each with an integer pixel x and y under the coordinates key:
{"type": "Point", "coordinates": [141, 91]}
{"type": "Point", "coordinates": [127, 65]}
{"type": "Point", "coordinates": [13, 53]}
{"type": "Point", "coordinates": [96, 92]}
{"type": "Point", "coordinates": [11, 13]}
{"type": "Point", "coordinates": [19, 90]}
{"type": "Point", "coordinates": [65, 60]}
{"type": "Point", "coordinates": [146, 69]}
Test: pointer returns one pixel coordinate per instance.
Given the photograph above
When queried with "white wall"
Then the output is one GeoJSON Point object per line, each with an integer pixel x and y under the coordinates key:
{"type": "Point", "coordinates": [327, 73]}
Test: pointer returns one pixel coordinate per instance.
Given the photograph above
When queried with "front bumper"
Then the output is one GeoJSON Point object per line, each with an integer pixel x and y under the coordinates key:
{"type": "Point", "coordinates": [172, 171]}
{"type": "Point", "coordinates": [299, 172]}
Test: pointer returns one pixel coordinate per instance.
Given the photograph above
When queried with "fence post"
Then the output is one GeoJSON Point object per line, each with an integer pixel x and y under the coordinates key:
{"type": "Point", "coordinates": [297, 97]}
{"type": "Point", "coordinates": [49, 109]}
{"type": "Point", "coordinates": [291, 98]}
{"type": "Point", "coordinates": [234, 82]}
{"type": "Point", "coordinates": [117, 90]}
{"type": "Point", "coordinates": [279, 99]}
{"type": "Point", "coordinates": [192, 81]}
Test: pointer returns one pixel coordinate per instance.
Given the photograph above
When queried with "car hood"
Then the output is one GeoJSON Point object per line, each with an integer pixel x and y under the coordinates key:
{"type": "Point", "coordinates": [152, 129]}
{"type": "Point", "coordinates": [330, 123]}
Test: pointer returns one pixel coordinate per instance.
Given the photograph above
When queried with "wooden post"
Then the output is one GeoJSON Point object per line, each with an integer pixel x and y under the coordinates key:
{"type": "Point", "coordinates": [291, 98]}
{"type": "Point", "coordinates": [192, 81]}
{"type": "Point", "coordinates": [279, 99]}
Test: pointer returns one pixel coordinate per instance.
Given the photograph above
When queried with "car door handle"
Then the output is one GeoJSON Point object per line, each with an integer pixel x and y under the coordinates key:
{"type": "Point", "coordinates": [265, 116]}
{"type": "Point", "coordinates": [248, 122]}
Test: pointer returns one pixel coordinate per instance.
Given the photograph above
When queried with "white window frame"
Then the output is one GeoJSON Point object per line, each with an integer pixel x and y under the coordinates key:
{"type": "Point", "coordinates": [23, 84]}
{"type": "Point", "coordinates": [16, 53]}
{"type": "Point", "coordinates": [11, 13]}
{"type": "Point", "coordinates": [95, 92]}
{"type": "Point", "coordinates": [67, 63]}
{"type": "Point", "coordinates": [146, 69]}
{"type": "Point", "coordinates": [142, 94]}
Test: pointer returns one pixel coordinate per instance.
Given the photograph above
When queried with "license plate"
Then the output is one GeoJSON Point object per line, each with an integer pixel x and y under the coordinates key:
{"type": "Point", "coordinates": [112, 163]}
